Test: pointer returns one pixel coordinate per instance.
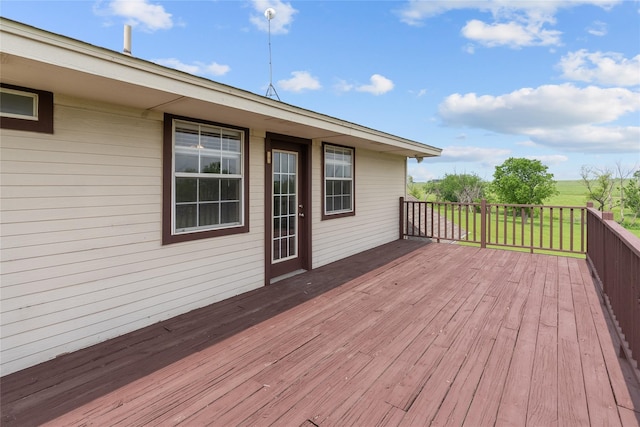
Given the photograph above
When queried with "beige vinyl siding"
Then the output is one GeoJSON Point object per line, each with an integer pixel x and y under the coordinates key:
{"type": "Point", "coordinates": [82, 259]}
{"type": "Point", "coordinates": [379, 180]}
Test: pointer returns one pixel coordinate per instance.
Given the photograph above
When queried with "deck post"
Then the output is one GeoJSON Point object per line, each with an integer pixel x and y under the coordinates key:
{"type": "Point", "coordinates": [401, 218]}
{"type": "Point", "coordinates": [483, 223]}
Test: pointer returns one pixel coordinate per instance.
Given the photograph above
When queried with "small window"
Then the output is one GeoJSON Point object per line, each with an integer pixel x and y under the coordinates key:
{"type": "Point", "coordinates": [339, 198]}
{"type": "Point", "coordinates": [207, 187]}
{"type": "Point", "coordinates": [26, 109]}
{"type": "Point", "coordinates": [18, 104]}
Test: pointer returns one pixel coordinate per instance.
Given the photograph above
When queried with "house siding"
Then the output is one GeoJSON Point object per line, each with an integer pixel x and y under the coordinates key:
{"type": "Point", "coordinates": [379, 183]}
{"type": "Point", "coordinates": [82, 259]}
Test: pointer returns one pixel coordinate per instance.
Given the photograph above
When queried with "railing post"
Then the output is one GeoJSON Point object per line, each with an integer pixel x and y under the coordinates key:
{"type": "Point", "coordinates": [606, 266]}
{"type": "Point", "coordinates": [401, 218]}
{"type": "Point", "coordinates": [483, 223]}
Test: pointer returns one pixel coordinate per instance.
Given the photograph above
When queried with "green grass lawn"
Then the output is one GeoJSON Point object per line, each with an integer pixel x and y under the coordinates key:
{"type": "Point", "coordinates": [572, 193]}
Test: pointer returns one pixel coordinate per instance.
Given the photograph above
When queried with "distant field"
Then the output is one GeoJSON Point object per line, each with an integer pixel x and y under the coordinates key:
{"type": "Point", "coordinates": [572, 193]}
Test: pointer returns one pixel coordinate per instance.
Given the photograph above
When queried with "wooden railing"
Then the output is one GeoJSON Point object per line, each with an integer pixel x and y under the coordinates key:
{"type": "Point", "coordinates": [613, 255]}
{"type": "Point", "coordinates": [556, 229]}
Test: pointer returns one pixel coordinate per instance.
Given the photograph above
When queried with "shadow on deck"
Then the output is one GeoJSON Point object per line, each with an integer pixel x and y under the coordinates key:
{"type": "Point", "coordinates": [74, 379]}
{"type": "Point", "coordinates": [404, 334]}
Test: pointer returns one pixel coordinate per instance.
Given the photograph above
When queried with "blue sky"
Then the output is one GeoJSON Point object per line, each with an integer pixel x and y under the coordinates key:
{"type": "Point", "coordinates": [554, 80]}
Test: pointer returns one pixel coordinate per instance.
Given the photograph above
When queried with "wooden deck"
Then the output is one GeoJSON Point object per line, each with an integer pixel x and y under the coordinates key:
{"type": "Point", "coordinates": [406, 334]}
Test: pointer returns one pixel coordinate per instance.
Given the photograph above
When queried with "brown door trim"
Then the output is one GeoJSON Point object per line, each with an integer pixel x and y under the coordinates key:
{"type": "Point", "coordinates": [303, 146]}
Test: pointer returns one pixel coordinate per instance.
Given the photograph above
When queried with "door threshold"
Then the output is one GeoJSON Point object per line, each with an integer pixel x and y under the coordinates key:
{"type": "Point", "coordinates": [286, 276]}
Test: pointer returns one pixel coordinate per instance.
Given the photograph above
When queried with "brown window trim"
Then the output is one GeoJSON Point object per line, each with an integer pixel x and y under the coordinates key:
{"type": "Point", "coordinates": [167, 177]}
{"type": "Point", "coordinates": [324, 215]}
{"type": "Point", "coordinates": [44, 124]}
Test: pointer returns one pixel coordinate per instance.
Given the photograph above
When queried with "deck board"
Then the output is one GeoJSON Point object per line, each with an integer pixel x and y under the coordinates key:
{"type": "Point", "coordinates": [572, 404]}
{"type": "Point", "coordinates": [406, 334]}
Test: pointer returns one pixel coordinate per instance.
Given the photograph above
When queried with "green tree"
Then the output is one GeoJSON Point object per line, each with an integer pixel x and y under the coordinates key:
{"type": "Point", "coordinates": [461, 188]}
{"type": "Point", "coordinates": [523, 182]}
{"type": "Point", "coordinates": [599, 183]}
{"type": "Point", "coordinates": [415, 189]}
{"type": "Point", "coordinates": [632, 196]}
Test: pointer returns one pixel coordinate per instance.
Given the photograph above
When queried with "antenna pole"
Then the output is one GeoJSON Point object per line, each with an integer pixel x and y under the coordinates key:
{"type": "Point", "coordinates": [271, 90]}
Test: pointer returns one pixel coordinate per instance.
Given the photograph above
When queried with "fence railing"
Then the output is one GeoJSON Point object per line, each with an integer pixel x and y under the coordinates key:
{"type": "Point", "coordinates": [531, 227]}
{"type": "Point", "coordinates": [614, 257]}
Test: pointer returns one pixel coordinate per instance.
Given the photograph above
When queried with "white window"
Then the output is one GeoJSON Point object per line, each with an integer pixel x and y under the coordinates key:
{"type": "Point", "coordinates": [18, 104]}
{"type": "Point", "coordinates": [338, 180]}
{"type": "Point", "coordinates": [208, 178]}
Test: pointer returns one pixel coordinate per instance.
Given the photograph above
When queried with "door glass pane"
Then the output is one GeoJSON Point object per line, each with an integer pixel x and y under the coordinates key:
{"type": "Point", "coordinates": [285, 212]}
{"type": "Point", "coordinates": [276, 206]}
{"type": "Point", "coordinates": [292, 204]}
{"type": "Point", "coordinates": [276, 163]}
{"type": "Point", "coordinates": [276, 249]}
{"type": "Point", "coordinates": [292, 164]}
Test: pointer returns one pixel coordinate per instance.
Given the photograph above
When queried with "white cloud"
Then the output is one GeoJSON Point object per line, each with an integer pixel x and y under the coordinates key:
{"type": "Point", "coordinates": [598, 28]}
{"type": "Point", "coordinates": [416, 11]}
{"type": "Point", "coordinates": [527, 143]}
{"type": "Point", "coordinates": [419, 171]}
{"type": "Point", "coordinates": [419, 94]}
{"type": "Point", "coordinates": [141, 13]}
{"type": "Point", "coordinates": [591, 139]}
{"type": "Point", "coordinates": [197, 68]}
{"type": "Point", "coordinates": [485, 156]}
{"type": "Point", "coordinates": [216, 69]}
{"type": "Point", "coordinates": [548, 106]}
{"type": "Point", "coordinates": [280, 23]}
{"type": "Point", "coordinates": [607, 68]}
{"type": "Point", "coordinates": [515, 23]}
{"type": "Point", "coordinates": [512, 34]}
{"type": "Point", "coordinates": [379, 85]}
{"type": "Point", "coordinates": [343, 86]}
{"type": "Point", "coordinates": [549, 160]}
{"type": "Point", "coordinates": [300, 81]}
{"type": "Point", "coordinates": [552, 115]}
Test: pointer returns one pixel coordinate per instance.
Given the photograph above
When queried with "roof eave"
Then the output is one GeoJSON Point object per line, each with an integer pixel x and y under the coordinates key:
{"type": "Point", "coordinates": [81, 69]}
